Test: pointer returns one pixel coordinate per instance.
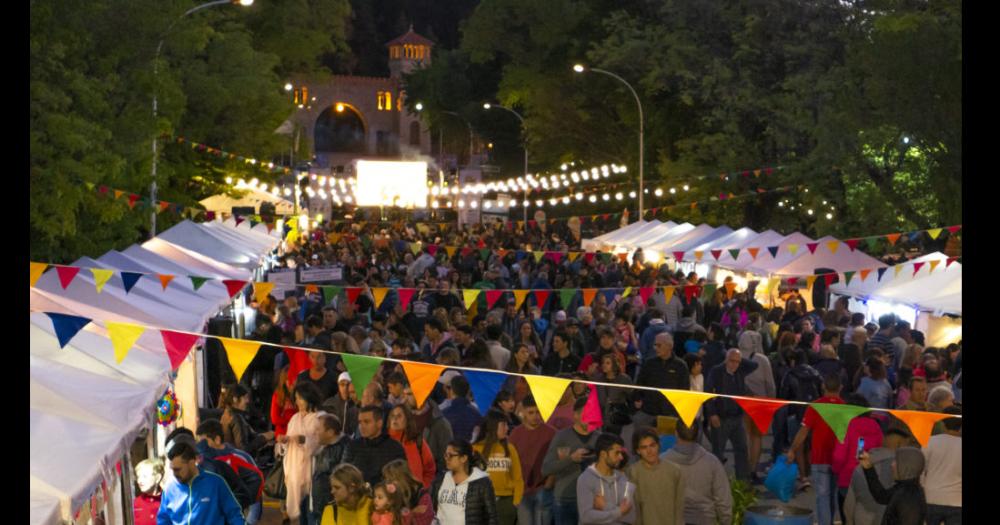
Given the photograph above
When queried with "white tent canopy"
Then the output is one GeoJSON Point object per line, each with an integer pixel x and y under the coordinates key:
{"type": "Point", "coordinates": [845, 259]}
{"type": "Point", "coordinates": [212, 244]}
{"type": "Point", "coordinates": [939, 292]}
{"type": "Point", "coordinates": [693, 239]}
{"type": "Point", "coordinates": [661, 236]}
{"type": "Point", "coordinates": [611, 238]}
{"type": "Point", "coordinates": [766, 264]}
{"type": "Point", "coordinates": [254, 197]}
{"type": "Point", "coordinates": [724, 242]}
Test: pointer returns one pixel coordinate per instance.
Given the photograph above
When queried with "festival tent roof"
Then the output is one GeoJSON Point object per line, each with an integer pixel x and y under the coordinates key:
{"type": "Point", "coordinates": [625, 230]}
{"type": "Point", "coordinates": [805, 262]}
{"type": "Point", "coordinates": [676, 236]}
{"type": "Point", "coordinates": [767, 264]}
{"type": "Point", "coordinates": [223, 203]}
{"type": "Point", "coordinates": [259, 228]}
{"type": "Point", "coordinates": [661, 235]}
{"type": "Point", "coordinates": [212, 244]}
{"type": "Point", "coordinates": [940, 291]}
{"type": "Point", "coordinates": [745, 260]}
{"type": "Point", "coordinates": [253, 241]}
{"type": "Point", "coordinates": [690, 241]}
{"type": "Point", "coordinates": [212, 292]}
{"type": "Point", "coordinates": [618, 236]}
{"type": "Point", "coordinates": [194, 261]}
{"type": "Point", "coordinates": [725, 242]}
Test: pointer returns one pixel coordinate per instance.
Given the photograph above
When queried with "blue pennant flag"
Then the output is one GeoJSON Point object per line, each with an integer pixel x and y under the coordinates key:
{"type": "Point", "coordinates": [773, 250]}
{"type": "Point", "coordinates": [881, 272]}
{"type": "Point", "coordinates": [484, 386]}
{"type": "Point", "coordinates": [520, 255]}
{"type": "Point", "coordinates": [67, 326]}
{"type": "Point", "coordinates": [399, 245]}
{"type": "Point", "coordinates": [129, 279]}
{"type": "Point", "coordinates": [609, 294]}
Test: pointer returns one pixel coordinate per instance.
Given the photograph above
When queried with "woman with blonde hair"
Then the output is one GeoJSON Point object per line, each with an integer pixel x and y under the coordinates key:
{"type": "Point", "coordinates": [352, 503]}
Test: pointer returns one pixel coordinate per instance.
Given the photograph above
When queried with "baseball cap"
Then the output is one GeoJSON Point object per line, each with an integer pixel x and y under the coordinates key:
{"type": "Point", "coordinates": [344, 376]}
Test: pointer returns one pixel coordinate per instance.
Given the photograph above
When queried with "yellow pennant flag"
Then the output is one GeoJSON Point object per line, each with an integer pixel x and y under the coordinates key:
{"type": "Point", "coordinates": [470, 296]}
{"type": "Point", "coordinates": [379, 295]}
{"type": "Point", "coordinates": [101, 277]}
{"type": "Point", "coordinates": [240, 353]}
{"type": "Point", "coordinates": [896, 269]}
{"type": "Point", "coordinates": [627, 292]}
{"type": "Point", "coordinates": [538, 256]}
{"type": "Point", "coordinates": [415, 247]}
{"type": "Point", "coordinates": [698, 255]}
{"type": "Point", "coordinates": [792, 248]}
{"type": "Point", "coordinates": [773, 283]}
{"type": "Point", "coordinates": [573, 256]}
{"type": "Point", "coordinates": [519, 297]}
{"type": "Point", "coordinates": [262, 290]}
{"type": "Point", "coordinates": [668, 294]}
{"type": "Point", "coordinates": [37, 269]}
{"type": "Point", "coordinates": [450, 250]}
{"type": "Point", "coordinates": [687, 403]}
{"type": "Point", "coordinates": [833, 245]}
{"type": "Point", "coordinates": [809, 281]}
{"type": "Point", "coordinates": [123, 336]}
{"type": "Point", "coordinates": [333, 238]}
{"type": "Point", "coordinates": [548, 391]}
{"type": "Point", "coordinates": [934, 233]}
{"type": "Point", "coordinates": [934, 264]}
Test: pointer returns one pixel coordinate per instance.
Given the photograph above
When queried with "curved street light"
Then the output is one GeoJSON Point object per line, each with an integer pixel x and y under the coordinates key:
{"type": "Point", "coordinates": [487, 105]}
{"type": "Point", "coordinates": [580, 68]}
{"type": "Point", "coordinates": [156, 74]}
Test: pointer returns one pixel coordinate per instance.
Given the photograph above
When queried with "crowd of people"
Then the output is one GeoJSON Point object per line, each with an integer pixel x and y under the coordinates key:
{"type": "Point", "coordinates": [373, 454]}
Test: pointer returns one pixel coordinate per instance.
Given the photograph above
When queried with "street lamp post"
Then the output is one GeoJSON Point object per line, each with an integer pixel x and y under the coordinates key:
{"type": "Point", "coordinates": [156, 72]}
{"type": "Point", "coordinates": [580, 68]}
{"type": "Point", "coordinates": [520, 118]}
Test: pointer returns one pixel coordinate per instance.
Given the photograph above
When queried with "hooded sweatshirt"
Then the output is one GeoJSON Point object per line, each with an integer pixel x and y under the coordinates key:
{"type": "Point", "coordinates": [706, 487]}
{"type": "Point", "coordinates": [859, 506]}
{"type": "Point", "coordinates": [760, 382]}
{"type": "Point", "coordinates": [566, 470]}
{"type": "Point", "coordinates": [904, 502]}
{"type": "Point", "coordinates": [452, 498]}
{"type": "Point", "coordinates": [615, 488]}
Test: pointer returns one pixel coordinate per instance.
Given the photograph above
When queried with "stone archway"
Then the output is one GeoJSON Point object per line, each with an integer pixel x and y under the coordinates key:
{"type": "Point", "coordinates": [340, 131]}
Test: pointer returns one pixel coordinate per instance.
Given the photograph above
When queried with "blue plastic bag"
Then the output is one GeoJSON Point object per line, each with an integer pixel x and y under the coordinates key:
{"type": "Point", "coordinates": [781, 479]}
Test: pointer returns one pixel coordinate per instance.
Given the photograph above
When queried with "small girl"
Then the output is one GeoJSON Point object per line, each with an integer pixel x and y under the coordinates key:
{"type": "Point", "coordinates": [390, 507]}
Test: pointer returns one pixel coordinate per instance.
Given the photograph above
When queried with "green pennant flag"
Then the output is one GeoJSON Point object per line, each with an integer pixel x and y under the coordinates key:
{"type": "Point", "coordinates": [366, 242]}
{"type": "Point", "coordinates": [196, 281]}
{"type": "Point", "coordinates": [708, 291]}
{"type": "Point", "coordinates": [362, 369]}
{"type": "Point", "coordinates": [566, 296]}
{"type": "Point", "coordinates": [484, 254]}
{"type": "Point", "coordinates": [847, 278]}
{"type": "Point", "coordinates": [838, 416]}
{"type": "Point", "coordinates": [604, 257]}
{"type": "Point", "coordinates": [735, 253]}
{"type": "Point", "coordinates": [872, 243]}
{"type": "Point", "coordinates": [331, 292]}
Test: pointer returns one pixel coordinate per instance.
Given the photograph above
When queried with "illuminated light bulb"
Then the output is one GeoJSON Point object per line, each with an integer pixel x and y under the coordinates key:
{"type": "Point", "coordinates": [673, 190]}
{"type": "Point", "coordinates": [658, 192]}
{"type": "Point", "coordinates": [449, 204]}
{"type": "Point", "coordinates": [781, 204]}
{"type": "Point", "coordinates": [575, 177]}
{"type": "Point", "coordinates": [631, 194]}
{"type": "Point", "coordinates": [618, 196]}
{"type": "Point", "coordinates": [435, 191]}
{"type": "Point", "coordinates": [288, 192]}
{"type": "Point", "coordinates": [832, 208]}
{"type": "Point", "coordinates": [606, 175]}
{"type": "Point", "coordinates": [253, 161]}
{"type": "Point", "coordinates": [487, 205]}
{"type": "Point", "coordinates": [555, 184]}
{"type": "Point", "coordinates": [585, 175]}
{"type": "Point", "coordinates": [686, 187]}
{"type": "Point", "coordinates": [810, 212]}
{"type": "Point", "coordinates": [606, 197]}
{"type": "Point", "coordinates": [461, 203]}
{"type": "Point", "coordinates": [552, 202]}
{"type": "Point", "coordinates": [565, 200]}
{"type": "Point", "coordinates": [824, 203]}
{"type": "Point", "coordinates": [593, 171]}
{"type": "Point", "coordinates": [593, 198]}
{"type": "Point", "coordinates": [563, 166]}
{"type": "Point", "coordinates": [270, 165]}
{"type": "Point", "coordinates": [229, 180]}
{"type": "Point", "coordinates": [454, 191]}
{"type": "Point", "coordinates": [579, 196]}
{"type": "Point", "coordinates": [510, 182]}
{"type": "Point", "coordinates": [829, 215]}
{"type": "Point", "coordinates": [474, 204]}
{"type": "Point", "coordinates": [253, 182]}
{"type": "Point", "coordinates": [313, 176]}
{"type": "Point", "coordinates": [539, 203]}
{"type": "Point", "coordinates": [604, 168]}
{"type": "Point", "coordinates": [624, 169]}
{"type": "Point", "coordinates": [563, 177]}
{"type": "Point", "coordinates": [434, 204]}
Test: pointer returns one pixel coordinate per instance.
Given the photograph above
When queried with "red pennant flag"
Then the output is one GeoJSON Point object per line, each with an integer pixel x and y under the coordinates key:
{"type": "Point", "coordinates": [432, 249]}
{"type": "Point", "coordinates": [589, 257]}
{"type": "Point", "coordinates": [679, 256]}
{"type": "Point", "coordinates": [754, 251]}
{"type": "Point", "coordinates": [949, 261]}
{"type": "Point", "coordinates": [917, 266]}
{"type": "Point", "coordinates": [298, 360]}
{"type": "Point", "coordinates": [540, 297]}
{"type": "Point", "coordinates": [691, 291]}
{"type": "Point", "coordinates": [353, 294]}
{"type": "Point", "coordinates": [954, 229]}
{"type": "Point", "coordinates": [852, 243]}
{"type": "Point", "coordinates": [532, 223]}
{"type": "Point", "coordinates": [812, 246]}
{"type": "Point", "coordinates": [178, 345]}
{"type": "Point", "coordinates": [761, 411]}
{"type": "Point", "coordinates": [234, 286]}
{"type": "Point", "coordinates": [645, 293]}
{"type": "Point", "coordinates": [829, 278]}
{"type": "Point", "coordinates": [605, 216]}
{"type": "Point", "coordinates": [66, 274]}
{"type": "Point", "coordinates": [239, 220]}
{"type": "Point", "coordinates": [491, 298]}
{"type": "Point", "coordinates": [555, 257]}
{"type": "Point", "coordinates": [131, 200]}
{"type": "Point", "coordinates": [405, 294]}
{"type": "Point", "coordinates": [792, 281]}
{"type": "Point", "coordinates": [716, 254]}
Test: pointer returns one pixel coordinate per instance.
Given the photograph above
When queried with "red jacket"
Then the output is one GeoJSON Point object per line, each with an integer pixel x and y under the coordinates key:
{"type": "Point", "coordinates": [845, 454]}
{"type": "Point", "coordinates": [421, 461]}
{"type": "Point", "coordinates": [281, 416]}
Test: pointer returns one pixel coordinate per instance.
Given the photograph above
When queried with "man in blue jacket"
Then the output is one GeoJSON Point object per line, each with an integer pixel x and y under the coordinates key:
{"type": "Point", "coordinates": [195, 497]}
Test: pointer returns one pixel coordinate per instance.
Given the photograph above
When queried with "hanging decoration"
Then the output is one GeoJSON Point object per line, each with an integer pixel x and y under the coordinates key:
{"type": "Point", "coordinates": [168, 409]}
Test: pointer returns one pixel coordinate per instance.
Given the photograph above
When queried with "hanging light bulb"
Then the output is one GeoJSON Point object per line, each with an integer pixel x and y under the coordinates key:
{"type": "Point", "coordinates": [593, 198]}
{"type": "Point", "coordinates": [631, 194]}
{"type": "Point", "coordinates": [606, 197]}
{"type": "Point", "coordinates": [658, 192]}
{"type": "Point", "coordinates": [539, 203]}
{"type": "Point", "coordinates": [461, 203]}
{"type": "Point", "coordinates": [579, 196]}
{"type": "Point", "coordinates": [565, 200]}
{"type": "Point", "coordinates": [229, 180]}
{"type": "Point", "coordinates": [552, 201]}
{"type": "Point", "coordinates": [618, 196]}
{"type": "Point", "coordinates": [686, 187]}
{"type": "Point", "coordinates": [474, 204]}
{"type": "Point", "coordinates": [673, 190]}
{"type": "Point", "coordinates": [829, 215]}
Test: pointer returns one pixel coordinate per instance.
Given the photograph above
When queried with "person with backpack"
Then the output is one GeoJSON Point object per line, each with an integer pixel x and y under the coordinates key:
{"type": "Point", "coordinates": [799, 382]}
{"type": "Point", "coordinates": [211, 445]}
{"type": "Point", "coordinates": [823, 441]}
{"type": "Point", "coordinates": [403, 428]}
{"type": "Point", "coordinates": [233, 481]}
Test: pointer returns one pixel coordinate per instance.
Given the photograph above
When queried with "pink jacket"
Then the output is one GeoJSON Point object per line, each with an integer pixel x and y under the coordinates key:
{"type": "Point", "coordinates": [845, 454]}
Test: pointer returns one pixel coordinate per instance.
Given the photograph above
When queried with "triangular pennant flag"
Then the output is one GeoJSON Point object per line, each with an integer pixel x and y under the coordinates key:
{"type": "Point", "coordinates": [379, 295]}
{"type": "Point", "coordinates": [864, 274]}
{"type": "Point", "coordinates": [566, 296]}
{"type": "Point", "coordinates": [809, 281]}
{"type": "Point", "coordinates": [352, 295]}
{"type": "Point", "coordinates": [312, 288]}
{"type": "Point", "coordinates": [538, 256]}
{"type": "Point", "coordinates": [949, 261]}
{"type": "Point", "coordinates": [917, 266]}
{"type": "Point", "coordinates": [698, 255]}
{"type": "Point", "coordinates": [730, 289]}
{"type": "Point", "coordinates": [753, 252]}
{"type": "Point", "coordinates": [519, 297]}
{"type": "Point", "coordinates": [547, 391]}
{"type": "Point", "coordinates": [686, 403]}
{"type": "Point", "coordinates": [432, 249]}
{"type": "Point", "coordinates": [828, 278]}
{"type": "Point", "coordinates": [501, 253]}
{"type": "Point", "coordinates": [773, 251]}
{"type": "Point", "coordinates": [131, 200]}
{"type": "Point", "coordinates": [362, 369]}
{"type": "Point", "coordinates": [541, 296]}
{"type": "Point", "coordinates": [470, 296]}
{"type": "Point", "coordinates": [921, 423]}
{"type": "Point", "coordinates": [772, 283]}
{"type": "Point", "coordinates": [592, 410]}
{"type": "Point", "coordinates": [405, 294]}
{"type": "Point", "coordinates": [668, 294]}
{"type": "Point", "coordinates": [234, 286]}
{"type": "Point", "coordinates": [734, 253]}
{"type": "Point", "coordinates": [880, 272]}
{"type": "Point", "coordinates": [66, 326]}
{"type": "Point", "coordinates": [645, 293]}
{"type": "Point", "coordinates": [954, 229]}
{"type": "Point", "coordinates": [838, 416]}
{"type": "Point", "coordinates": [66, 274]}
{"type": "Point", "coordinates": [792, 281]}
{"type": "Point", "coordinates": [896, 269]}
{"type": "Point", "coordinates": [118, 193]}
{"type": "Point", "coordinates": [847, 278]}
{"type": "Point", "coordinates": [589, 257]}
{"type": "Point", "coordinates": [239, 220]}
{"type": "Point", "coordinates": [852, 243]}
{"type": "Point", "coordinates": [129, 279]}
{"type": "Point", "coordinates": [760, 411]}
{"type": "Point", "coordinates": [270, 227]}
{"type": "Point", "coordinates": [165, 280]}
{"type": "Point", "coordinates": [792, 248]}
{"type": "Point", "coordinates": [872, 243]}
{"type": "Point", "coordinates": [423, 378]}
{"type": "Point", "coordinates": [240, 353]}
{"type": "Point", "coordinates": [555, 257]}
{"type": "Point", "coordinates": [812, 246]}
{"type": "Point", "coordinates": [708, 291]}
{"type": "Point", "coordinates": [934, 233]}
{"type": "Point", "coordinates": [893, 237]}
{"type": "Point", "coordinates": [177, 345]}
{"type": "Point", "coordinates": [678, 256]}
{"type": "Point", "coordinates": [123, 336]}
{"type": "Point", "coordinates": [833, 245]}
{"type": "Point", "coordinates": [623, 258]}
{"type": "Point", "coordinates": [415, 248]}
{"type": "Point", "coordinates": [690, 292]}
{"type": "Point", "coordinates": [573, 256]}
{"type": "Point", "coordinates": [933, 264]}
{"type": "Point", "coordinates": [627, 292]}
{"type": "Point", "coordinates": [37, 269]}
{"type": "Point", "coordinates": [604, 257]}
{"type": "Point", "coordinates": [485, 386]}
{"type": "Point", "coordinates": [101, 277]}
{"type": "Point", "coordinates": [492, 296]}
{"type": "Point", "coordinates": [588, 295]}
{"type": "Point", "coordinates": [330, 293]}
{"type": "Point", "coordinates": [196, 281]}
{"type": "Point", "coordinates": [164, 205]}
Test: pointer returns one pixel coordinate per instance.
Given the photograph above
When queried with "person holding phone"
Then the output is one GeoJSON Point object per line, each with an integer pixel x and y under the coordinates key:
{"type": "Point", "coordinates": [569, 454]}
{"type": "Point", "coordinates": [905, 501]}
{"type": "Point", "coordinates": [863, 433]}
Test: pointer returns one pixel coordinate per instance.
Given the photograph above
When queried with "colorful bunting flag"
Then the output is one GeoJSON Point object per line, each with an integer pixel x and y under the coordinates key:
{"type": "Point", "coordinates": [627, 292]}
{"type": "Point", "coordinates": [261, 290]}
{"type": "Point", "coordinates": [66, 274]}
{"type": "Point", "coordinates": [312, 289]}
{"type": "Point", "coordinates": [690, 292]}
{"type": "Point", "coordinates": [588, 295]}
{"type": "Point", "coordinates": [405, 295]}
{"type": "Point", "coordinates": [833, 245]}
{"type": "Point", "coordinates": [330, 293]}
{"type": "Point", "coordinates": [698, 255]}
{"type": "Point", "coordinates": [491, 298]}
{"type": "Point", "coordinates": [352, 294]}
{"type": "Point", "coordinates": [668, 294]}
{"type": "Point", "coordinates": [753, 253]}
{"type": "Point", "coordinates": [177, 345]}
{"type": "Point", "coordinates": [422, 377]}
{"type": "Point", "coordinates": [541, 296]}
{"type": "Point", "coordinates": [761, 411]}
{"type": "Point", "coordinates": [686, 403]}
{"type": "Point", "coordinates": [896, 269]}
{"type": "Point", "coordinates": [645, 293]}
{"type": "Point", "coordinates": [734, 253]}
{"type": "Point", "coordinates": [933, 264]}
{"type": "Point", "coordinates": [470, 296]}
{"type": "Point", "coordinates": [484, 386]}
{"type": "Point", "coordinates": [847, 278]}
{"type": "Point", "coordinates": [678, 256]}
{"type": "Point", "coordinates": [240, 353]}
{"type": "Point", "coordinates": [566, 296]}
{"type": "Point", "coordinates": [812, 246]}
{"type": "Point", "coordinates": [880, 272]}
{"type": "Point", "coordinates": [129, 280]}
{"type": "Point", "coordinates": [892, 238]}
{"type": "Point", "coordinates": [573, 256]}
{"type": "Point", "coordinates": [415, 248]}
{"type": "Point", "coordinates": [165, 280]}
{"type": "Point", "coordinates": [809, 281]}
{"type": "Point", "coordinates": [917, 266]}
{"type": "Point", "coordinates": [708, 291]}
{"type": "Point", "coordinates": [773, 250]}
{"type": "Point", "coordinates": [450, 250]}
{"type": "Point", "coordinates": [921, 423]}
{"type": "Point", "coordinates": [379, 295]}
{"type": "Point", "coordinates": [949, 261]}
{"type": "Point", "coordinates": [547, 391]}
{"type": "Point", "coordinates": [852, 243]}
{"type": "Point", "coordinates": [592, 410]}
{"type": "Point", "coordinates": [101, 277]}
{"type": "Point", "coordinates": [588, 257]}
{"type": "Point", "coordinates": [954, 229]}
{"type": "Point", "coordinates": [123, 337]}
{"type": "Point", "coordinates": [828, 278]}
{"type": "Point", "coordinates": [362, 369]}
{"type": "Point", "coordinates": [519, 297]}
{"type": "Point", "coordinates": [66, 326]}
{"type": "Point", "coordinates": [730, 289]}
{"type": "Point", "coordinates": [838, 416]}
{"type": "Point", "coordinates": [864, 274]}
{"type": "Point", "coordinates": [36, 271]}
{"type": "Point", "coordinates": [234, 286]}
{"type": "Point", "coordinates": [197, 282]}
{"type": "Point", "coordinates": [792, 248]}
{"type": "Point", "coordinates": [934, 233]}
{"type": "Point", "coordinates": [538, 256]}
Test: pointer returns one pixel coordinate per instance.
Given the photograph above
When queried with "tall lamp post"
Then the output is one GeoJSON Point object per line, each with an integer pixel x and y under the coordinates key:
{"type": "Point", "coordinates": [580, 68]}
{"type": "Point", "coordinates": [156, 72]}
{"type": "Point", "coordinates": [520, 118]}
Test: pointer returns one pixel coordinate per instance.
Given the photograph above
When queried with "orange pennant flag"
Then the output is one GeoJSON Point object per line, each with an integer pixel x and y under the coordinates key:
{"type": "Point", "coordinates": [809, 281]}
{"type": "Point", "coordinates": [37, 269]}
{"type": "Point", "coordinates": [698, 255]}
{"type": "Point", "coordinates": [422, 377]}
{"type": "Point", "coordinates": [921, 423]}
{"type": "Point", "coordinates": [261, 290]}
{"type": "Point", "coordinates": [893, 237]}
{"type": "Point", "coordinates": [519, 297]}
{"type": "Point", "coordinates": [864, 273]}
{"type": "Point", "coordinates": [753, 252]}
{"type": "Point", "coordinates": [450, 250]}
{"type": "Point", "coordinates": [668, 294]}
{"type": "Point", "coordinates": [573, 256]}
{"type": "Point", "coordinates": [165, 280]}
{"type": "Point", "coordinates": [623, 257]}
{"type": "Point", "coordinates": [379, 295]}
{"type": "Point", "coordinates": [833, 245]}
{"type": "Point", "coordinates": [312, 288]}
{"type": "Point", "coordinates": [687, 403]}
{"type": "Point", "coordinates": [934, 264]}
{"type": "Point", "coordinates": [588, 295]}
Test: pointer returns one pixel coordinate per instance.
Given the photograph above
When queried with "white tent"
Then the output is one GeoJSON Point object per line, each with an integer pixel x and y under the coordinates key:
{"type": "Point", "coordinates": [766, 264]}
{"type": "Point", "coordinates": [610, 239]}
{"type": "Point", "coordinates": [212, 244]}
{"type": "Point", "coordinates": [806, 262]}
{"type": "Point", "coordinates": [695, 238]}
{"type": "Point", "coordinates": [939, 291]}
{"type": "Point", "coordinates": [196, 262]}
{"type": "Point", "coordinates": [745, 259]}
{"type": "Point", "coordinates": [254, 197]}
{"type": "Point", "coordinates": [651, 240]}
{"type": "Point", "coordinates": [725, 242]}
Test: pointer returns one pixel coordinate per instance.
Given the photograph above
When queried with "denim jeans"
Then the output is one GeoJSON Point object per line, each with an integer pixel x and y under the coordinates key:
{"type": "Point", "coordinates": [825, 485]}
{"type": "Point", "coordinates": [535, 509]}
{"type": "Point", "coordinates": [253, 514]}
{"type": "Point", "coordinates": [565, 513]}
{"type": "Point", "coordinates": [732, 430]}
{"type": "Point", "coordinates": [937, 514]}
